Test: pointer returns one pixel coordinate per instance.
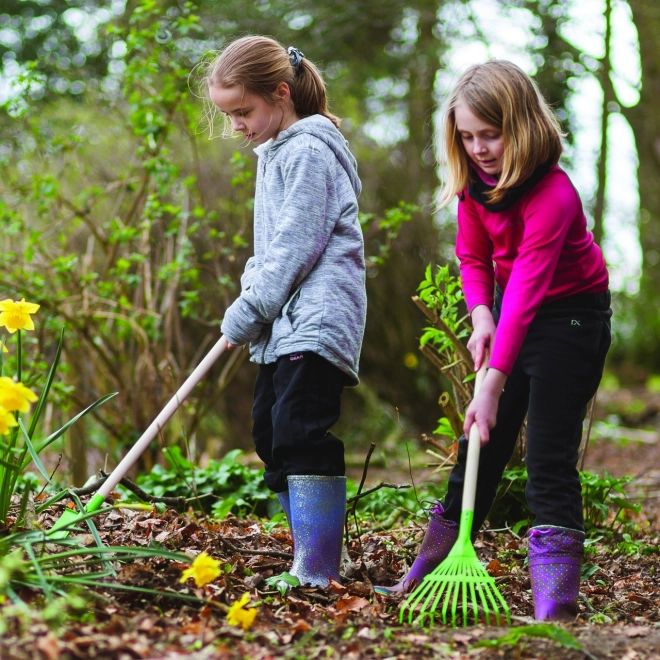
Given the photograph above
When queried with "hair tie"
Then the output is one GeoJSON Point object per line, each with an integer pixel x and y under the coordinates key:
{"type": "Point", "coordinates": [295, 56]}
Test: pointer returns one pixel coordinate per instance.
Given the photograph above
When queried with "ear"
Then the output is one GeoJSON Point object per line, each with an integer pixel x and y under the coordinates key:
{"type": "Point", "coordinates": [283, 93]}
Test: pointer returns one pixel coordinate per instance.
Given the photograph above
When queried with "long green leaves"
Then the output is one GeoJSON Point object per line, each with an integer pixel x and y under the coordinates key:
{"type": "Point", "coordinates": [20, 449]}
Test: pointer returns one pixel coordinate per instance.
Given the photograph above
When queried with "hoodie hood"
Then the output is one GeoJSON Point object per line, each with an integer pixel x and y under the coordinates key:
{"type": "Point", "coordinates": [323, 129]}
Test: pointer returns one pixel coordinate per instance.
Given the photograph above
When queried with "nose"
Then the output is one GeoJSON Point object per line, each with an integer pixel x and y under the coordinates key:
{"type": "Point", "coordinates": [479, 146]}
{"type": "Point", "coordinates": [237, 123]}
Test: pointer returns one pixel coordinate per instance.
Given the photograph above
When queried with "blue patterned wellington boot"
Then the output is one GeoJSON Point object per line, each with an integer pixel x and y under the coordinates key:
{"type": "Point", "coordinates": [318, 508]}
{"type": "Point", "coordinates": [439, 539]}
{"type": "Point", "coordinates": [286, 505]}
{"type": "Point", "coordinates": [555, 559]}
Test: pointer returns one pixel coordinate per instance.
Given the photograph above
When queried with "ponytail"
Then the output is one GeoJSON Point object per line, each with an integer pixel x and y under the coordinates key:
{"type": "Point", "coordinates": [259, 64]}
{"type": "Point", "coordinates": [308, 93]}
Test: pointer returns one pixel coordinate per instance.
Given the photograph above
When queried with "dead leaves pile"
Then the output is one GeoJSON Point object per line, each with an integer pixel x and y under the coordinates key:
{"type": "Point", "coordinates": [344, 621]}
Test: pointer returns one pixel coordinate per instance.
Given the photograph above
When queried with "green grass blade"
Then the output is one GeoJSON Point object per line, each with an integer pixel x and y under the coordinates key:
{"type": "Point", "coordinates": [121, 550]}
{"type": "Point", "coordinates": [51, 500]}
{"type": "Point", "coordinates": [41, 578]}
{"type": "Point", "coordinates": [33, 454]}
{"type": "Point", "coordinates": [46, 388]}
{"type": "Point", "coordinates": [92, 529]}
{"type": "Point", "coordinates": [54, 436]}
{"type": "Point", "coordinates": [126, 587]}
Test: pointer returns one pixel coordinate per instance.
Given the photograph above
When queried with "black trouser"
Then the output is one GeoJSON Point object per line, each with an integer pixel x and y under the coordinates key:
{"type": "Point", "coordinates": [296, 401]}
{"type": "Point", "coordinates": [557, 372]}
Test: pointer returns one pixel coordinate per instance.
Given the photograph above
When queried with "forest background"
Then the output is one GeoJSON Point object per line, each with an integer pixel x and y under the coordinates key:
{"type": "Point", "coordinates": [130, 227]}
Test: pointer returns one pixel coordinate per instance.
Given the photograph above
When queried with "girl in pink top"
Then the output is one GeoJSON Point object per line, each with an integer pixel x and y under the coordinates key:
{"type": "Point", "coordinates": [536, 286]}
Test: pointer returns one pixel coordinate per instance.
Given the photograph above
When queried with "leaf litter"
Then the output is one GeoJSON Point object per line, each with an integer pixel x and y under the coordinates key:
{"type": "Point", "coordinates": [619, 605]}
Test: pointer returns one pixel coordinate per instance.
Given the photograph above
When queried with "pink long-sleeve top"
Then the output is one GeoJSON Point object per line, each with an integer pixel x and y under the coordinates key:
{"type": "Point", "coordinates": [538, 250]}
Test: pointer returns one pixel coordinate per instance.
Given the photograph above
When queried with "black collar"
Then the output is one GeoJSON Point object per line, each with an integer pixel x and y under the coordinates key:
{"type": "Point", "coordinates": [477, 189]}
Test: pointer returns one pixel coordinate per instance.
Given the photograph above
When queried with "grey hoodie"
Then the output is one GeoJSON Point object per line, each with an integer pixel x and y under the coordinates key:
{"type": "Point", "coordinates": [304, 288]}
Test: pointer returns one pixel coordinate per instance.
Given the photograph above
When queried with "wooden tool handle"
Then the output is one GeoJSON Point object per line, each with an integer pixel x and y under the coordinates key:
{"type": "Point", "coordinates": [474, 448]}
{"type": "Point", "coordinates": [173, 405]}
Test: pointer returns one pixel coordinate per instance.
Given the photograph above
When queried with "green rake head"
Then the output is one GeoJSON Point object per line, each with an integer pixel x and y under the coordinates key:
{"type": "Point", "coordinates": [459, 591]}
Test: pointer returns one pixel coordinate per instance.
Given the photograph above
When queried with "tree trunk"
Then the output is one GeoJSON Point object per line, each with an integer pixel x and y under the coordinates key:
{"type": "Point", "coordinates": [608, 98]}
{"type": "Point", "coordinates": [644, 119]}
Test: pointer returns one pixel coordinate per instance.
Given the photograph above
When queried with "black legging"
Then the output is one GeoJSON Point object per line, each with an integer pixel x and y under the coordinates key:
{"type": "Point", "coordinates": [557, 372]}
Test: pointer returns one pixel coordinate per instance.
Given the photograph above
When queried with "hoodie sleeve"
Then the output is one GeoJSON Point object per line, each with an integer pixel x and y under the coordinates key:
{"type": "Point", "coordinates": [250, 271]}
{"type": "Point", "coordinates": [302, 231]}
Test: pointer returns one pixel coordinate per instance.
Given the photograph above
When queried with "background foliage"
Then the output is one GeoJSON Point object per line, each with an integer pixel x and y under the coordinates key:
{"type": "Point", "coordinates": [129, 226]}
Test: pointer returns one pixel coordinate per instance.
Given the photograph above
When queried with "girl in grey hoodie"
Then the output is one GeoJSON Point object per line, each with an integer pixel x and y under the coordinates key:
{"type": "Point", "coordinates": [302, 306]}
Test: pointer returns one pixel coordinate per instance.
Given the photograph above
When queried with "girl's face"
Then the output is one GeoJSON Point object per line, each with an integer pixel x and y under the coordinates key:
{"type": "Point", "coordinates": [483, 143]}
{"type": "Point", "coordinates": [251, 114]}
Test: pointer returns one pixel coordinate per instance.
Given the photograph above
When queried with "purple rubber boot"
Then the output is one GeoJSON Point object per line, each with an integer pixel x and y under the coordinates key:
{"type": "Point", "coordinates": [555, 559]}
{"type": "Point", "coordinates": [318, 508]}
{"type": "Point", "coordinates": [439, 539]}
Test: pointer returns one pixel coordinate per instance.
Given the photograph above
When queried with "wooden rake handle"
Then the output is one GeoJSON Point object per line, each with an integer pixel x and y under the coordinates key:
{"type": "Point", "coordinates": [163, 417]}
{"type": "Point", "coordinates": [474, 449]}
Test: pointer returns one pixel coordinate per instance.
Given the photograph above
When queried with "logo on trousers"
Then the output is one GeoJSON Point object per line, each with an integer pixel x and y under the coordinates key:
{"type": "Point", "coordinates": [293, 358]}
{"type": "Point", "coordinates": [574, 322]}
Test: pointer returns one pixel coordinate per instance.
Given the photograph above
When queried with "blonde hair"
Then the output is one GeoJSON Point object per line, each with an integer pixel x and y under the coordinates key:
{"type": "Point", "coordinates": [259, 64]}
{"type": "Point", "coordinates": [502, 95]}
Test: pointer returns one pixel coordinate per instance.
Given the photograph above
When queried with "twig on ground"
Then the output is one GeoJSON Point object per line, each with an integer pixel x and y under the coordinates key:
{"type": "Point", "coordinates": [589, 425]}
{"type": "Point", "coordinates": [248, 551]}
{"type": "Point", "coordinates": [382, 484]}
{"type": "Point", "coordinates": [178, 503]}
{"type": "Point", "coordinates": [355, 499]}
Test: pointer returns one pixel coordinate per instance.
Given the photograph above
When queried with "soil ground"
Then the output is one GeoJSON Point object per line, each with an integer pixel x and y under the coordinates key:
{"type": "Point", "coordinates": [619, 608]}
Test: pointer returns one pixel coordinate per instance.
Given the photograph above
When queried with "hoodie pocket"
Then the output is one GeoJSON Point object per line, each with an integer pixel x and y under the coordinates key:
{"type": "Point", "coordinates": [289, 309]}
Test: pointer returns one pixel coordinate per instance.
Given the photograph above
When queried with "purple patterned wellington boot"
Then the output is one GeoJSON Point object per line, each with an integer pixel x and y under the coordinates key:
{"type": "Point", "coordinates": [439, 539]}
{"type": "Point", "coordinates": [555, 559]}
{"type": "Point", "coordinates": [318, 508]}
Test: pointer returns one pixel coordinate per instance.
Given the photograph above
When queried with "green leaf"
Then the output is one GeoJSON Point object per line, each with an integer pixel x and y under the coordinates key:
{"type": "Point", "coordinates": [176, 460]}
{"type": "Point", "coordinates": [283, 582]}
{"type": "Point", "coordinates": [221, 509]}
{"type": "Point", "coordinates": [543, 630]}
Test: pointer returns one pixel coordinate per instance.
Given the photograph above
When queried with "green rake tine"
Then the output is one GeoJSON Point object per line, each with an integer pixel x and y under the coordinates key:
{"type": "Point", "coordinates": [460, 581]}
{"type": "Point", "coordinates": [483, 597]}
{"type": "Point", "coordinates": [448, 592]}
{"type": "Point", "coordinates": [475, 603]}
{"type": "Point", "coordinates": [445, 590]}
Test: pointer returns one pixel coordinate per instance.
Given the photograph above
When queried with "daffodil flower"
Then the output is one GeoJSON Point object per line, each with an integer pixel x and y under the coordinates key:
{"type": "Point", "coordinates": [7, 421]}
{"type": "Point", "coordinates": [239, 616]}
{"type": "Point", "coordinates": [15, 396]}
{"type": "Point", "coordinates": [16, 315]}
{"type": "Point", "coordinates": [203, 570]}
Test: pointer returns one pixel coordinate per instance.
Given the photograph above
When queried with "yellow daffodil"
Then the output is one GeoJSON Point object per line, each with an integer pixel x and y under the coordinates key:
{"type": "Point", "coordinates": [203, 570]}
{"type": "Point", "coordinates": [7, 421]}
{"type": "Point", "coordinates": [15, 396]}
{"type": "Point", "coordinates": [16, 315]}
{"type": "Point", "coordinates": [239, 616]}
